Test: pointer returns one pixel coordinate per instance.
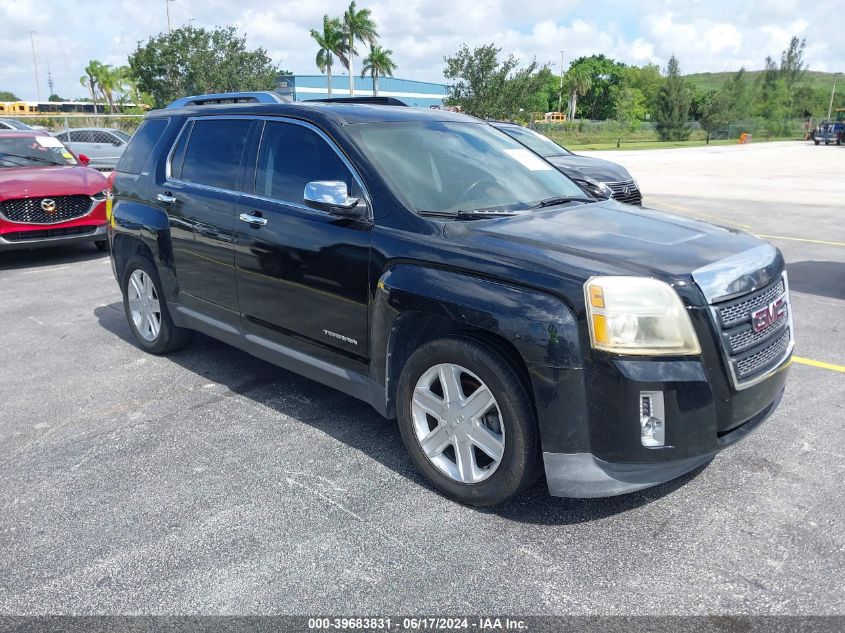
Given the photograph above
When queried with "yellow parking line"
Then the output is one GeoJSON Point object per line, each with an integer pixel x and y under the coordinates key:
{"type": "Point", "coordinates": [818, 363]}
{"type": "Point", "coordinates": [799, 239]}
{"type": "Point", "coordinates": [699, 215]}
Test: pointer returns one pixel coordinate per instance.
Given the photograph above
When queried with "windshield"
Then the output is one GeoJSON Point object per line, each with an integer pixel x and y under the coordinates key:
{"type": "Point", "coordinates": [438, 166]}
{"type": "Point", "coordinates": [534, 141]}
{"type": "Point", "coordinates": [28, 151]}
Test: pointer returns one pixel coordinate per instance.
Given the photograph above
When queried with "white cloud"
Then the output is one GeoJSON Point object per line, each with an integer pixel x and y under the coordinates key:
{"type": "Point", "coordinates": [713, 35]}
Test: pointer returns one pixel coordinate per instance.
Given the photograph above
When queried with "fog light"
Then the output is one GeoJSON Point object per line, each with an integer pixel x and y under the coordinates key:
{"type": "Point", "coordinates": [652, 419]}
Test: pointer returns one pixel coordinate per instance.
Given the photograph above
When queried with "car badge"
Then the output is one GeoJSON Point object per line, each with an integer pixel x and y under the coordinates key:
{"type": "Point", "coordinates": [48, 205]}
{"type": "Point", "coordinates": [769, 314]}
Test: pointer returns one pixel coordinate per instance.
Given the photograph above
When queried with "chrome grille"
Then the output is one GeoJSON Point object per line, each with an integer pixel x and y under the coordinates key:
{"type": "Point", "coordinates": [755, 362]}
{"type": "Point", "coordinates": [31, 211]}
{"type": "Point", "coordinates": [740, 310]}
{"type": "Point", "coordinates": [751, 354]}
{"type": "Point", "coordinates": [631, 196]}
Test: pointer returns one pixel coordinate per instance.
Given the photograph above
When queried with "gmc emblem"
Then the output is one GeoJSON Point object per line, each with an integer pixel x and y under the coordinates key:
{"type": "Point", "coordinates": [769, 315]}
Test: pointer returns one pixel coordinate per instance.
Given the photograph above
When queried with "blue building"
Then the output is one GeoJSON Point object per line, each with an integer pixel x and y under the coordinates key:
{"type": "Point", "coordinates": [420, 94]}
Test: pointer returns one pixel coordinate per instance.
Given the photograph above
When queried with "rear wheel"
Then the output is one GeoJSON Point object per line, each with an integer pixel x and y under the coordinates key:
{"type": "Point", "coordinates": [467, 421]}
{"type": "Point", "coordinates": [146, 310]}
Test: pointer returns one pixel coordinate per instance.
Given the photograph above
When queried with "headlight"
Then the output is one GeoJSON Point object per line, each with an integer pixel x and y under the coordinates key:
{"type": "Point", "coordinates": [638, 316]}
{"type": "Point", "coordinates": [594, 187]}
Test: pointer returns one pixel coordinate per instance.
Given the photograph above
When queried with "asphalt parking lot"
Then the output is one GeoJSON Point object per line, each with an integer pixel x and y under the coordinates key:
{"type": "Point", "coordinates": [212, 482]}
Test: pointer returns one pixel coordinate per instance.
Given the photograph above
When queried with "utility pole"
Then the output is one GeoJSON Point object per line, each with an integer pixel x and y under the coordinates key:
{"type": "Point", "coordinates": [560, 94]}
{"type": "Point", "coordinates": [167, 5]}
{"type": "Point", "coordinates": [50, 81]}
{"type": "Point", "coordinates": [35, 65]}
{"type": "Point", "coordinates": [832, 92]}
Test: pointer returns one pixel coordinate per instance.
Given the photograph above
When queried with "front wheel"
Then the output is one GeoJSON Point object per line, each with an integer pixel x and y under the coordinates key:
{"type": "Point", "coordinates": [146, 309]}
{"type": "Point", "coordinates": [467, 421]}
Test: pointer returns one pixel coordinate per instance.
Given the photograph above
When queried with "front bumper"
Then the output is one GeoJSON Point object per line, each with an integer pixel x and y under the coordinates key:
{"type": "Point", "coordinates": [38, 240]}
{"type": "Point", "coordinates": [583, 475]}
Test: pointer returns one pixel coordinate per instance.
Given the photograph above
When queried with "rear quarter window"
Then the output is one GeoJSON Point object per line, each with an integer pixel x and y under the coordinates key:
{"type": "Point", "coordinates": [141, 146]}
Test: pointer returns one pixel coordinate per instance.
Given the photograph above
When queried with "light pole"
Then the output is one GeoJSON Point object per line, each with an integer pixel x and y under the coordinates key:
{"type": "Point", "coordinates": [167, 6]}
{"type": "Point", "coordinates": [560, 94]}
{"type": "Point", "coordinates": [832, 92]}
{"type": "Point", "coordinates": [35, 65]}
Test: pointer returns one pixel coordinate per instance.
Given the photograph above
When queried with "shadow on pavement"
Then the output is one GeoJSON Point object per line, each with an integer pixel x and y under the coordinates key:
{"type": "Point", "coordinates": [370, 434]}
{"type": "Point", "coordinates": [49, 256]}
{"type": "Point", "coordinates": [824, 279]}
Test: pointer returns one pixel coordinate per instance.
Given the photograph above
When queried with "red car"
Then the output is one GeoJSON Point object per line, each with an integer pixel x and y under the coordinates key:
{"type": "Point", "coordinates": [47, 194]}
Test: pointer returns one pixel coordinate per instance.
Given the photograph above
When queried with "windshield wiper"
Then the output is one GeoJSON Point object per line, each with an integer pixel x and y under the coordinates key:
{"type": "Point", "coordinates": [468, 215]}
{"type": "Point", "coordinates": [36, 158]}
{"type": "Point", "coordinates": [550, 202]}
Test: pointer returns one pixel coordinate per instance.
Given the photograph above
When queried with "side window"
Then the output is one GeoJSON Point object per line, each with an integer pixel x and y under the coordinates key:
{"type": "Point", "coordinates": [80, 136]}
{"type": "Point", "coordinates": [290, 157]}
{"type": "Point", "coordinates": [141, 146]}
{"type": "Point", "coordinates": [102, 137]}
{"type": "Point", "coordinates": [62, 137]}
{"type": "Point", "coordinates": [213, 152]}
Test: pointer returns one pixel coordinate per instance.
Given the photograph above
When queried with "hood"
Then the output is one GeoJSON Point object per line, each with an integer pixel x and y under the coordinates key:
{"type": "Point", "coordinates": [35, 182]}
{"type": "Point", "coordinates": [596, 168]}
{"type": "Point", "coordinates": [610, 234]}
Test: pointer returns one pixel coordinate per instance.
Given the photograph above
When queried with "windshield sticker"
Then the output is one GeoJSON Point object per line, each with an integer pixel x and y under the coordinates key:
{"type": "Point", "coordinates": [48, 141]}
{"type": "Point", "coordinates": [528, 160]}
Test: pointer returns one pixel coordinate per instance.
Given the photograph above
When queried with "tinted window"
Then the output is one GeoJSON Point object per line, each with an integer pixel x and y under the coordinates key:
{"type": "Point", "coordinates": [103, 137]}
{"type": "Point", "coordinates": [80, 136]}
{"type": "Point", "coordinates": [290, 157]}
{"type": "Point", "coordinates": [142, 145]}
{"type": "Point", "coordinates": [62, 137]}
{"type": "Point", "coordinates": [214, 151]}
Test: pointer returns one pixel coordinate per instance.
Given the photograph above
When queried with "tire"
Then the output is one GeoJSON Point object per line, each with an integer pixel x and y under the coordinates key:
{"type": "Point", "coordinates": [102, 245]}
{"type": "Point", "coordinates": [816, 142]}
{"type": "Point", "coordinates": [151, 324]}
{"type": "Point", "coordinates": [508, 425]}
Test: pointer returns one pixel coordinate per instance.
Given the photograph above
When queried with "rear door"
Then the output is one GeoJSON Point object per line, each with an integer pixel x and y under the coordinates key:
{"type": "Point", "coordinates": [81, 142]}
{"type": "Point", "coordinates": [302, 274]}
{"type": "Point", "coordinates": [199, 193]}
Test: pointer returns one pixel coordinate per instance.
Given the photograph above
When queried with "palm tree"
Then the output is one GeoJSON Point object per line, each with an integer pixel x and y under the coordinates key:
{"type": "Point", "coordinates": [91, 79]}
{"type": "Point", "coordinates": [378, 64]}
{"type": "Point", "coordinates": [331, 42]}
{"type": "Point", "coordinates": [357, 25]}
{"type": "Point", "coordinates": [110, 80]}
{"type": "Point", "coordinates": [579, 81]}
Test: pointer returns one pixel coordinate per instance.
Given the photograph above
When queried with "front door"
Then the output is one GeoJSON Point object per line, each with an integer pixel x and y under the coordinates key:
{"type": "Point", "coordinates": [301, 273]}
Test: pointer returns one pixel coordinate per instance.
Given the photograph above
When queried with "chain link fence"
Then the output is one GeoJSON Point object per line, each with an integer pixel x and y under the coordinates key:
{"type": "Point", "coordinates": [56, 123]}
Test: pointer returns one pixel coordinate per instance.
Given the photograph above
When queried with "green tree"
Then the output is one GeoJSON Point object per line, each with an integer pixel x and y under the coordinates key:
{"type": "Point", "coordinates": [742, 97]}
{"type": "Point", "coordinates": [628, 108]}
{"type": "Point", "coordinates": [191, 60]}
{"type": "Point", "coordinates": [378, 64]}
{"type": "Point", "coordinates": [358, 25]}
{"type": "Point", "coordinates": [646, 79]}
{"type": "Point", "coordinates": [578, 81]}
{"type": "Point", "coordinates": [716, 110]}
{"type": "Point", "coordinates": [331, 41]}
{"type": "Point", "coordinates": [597, 102]}
{"type": "Point", "coordinates": [91, 79]}
{"type": "Point", "coordinates": [5, 95]}
{"type": "Point", "coordinates": [488, 88]}
{"type": "Point", "coordinates": [673, 105]}
{"type": "Point", "coordinates": [773, 103]}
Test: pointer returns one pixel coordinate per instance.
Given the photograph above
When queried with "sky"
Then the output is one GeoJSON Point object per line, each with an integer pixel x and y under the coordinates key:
{"type": "Point", "coordinates": [710, 35]}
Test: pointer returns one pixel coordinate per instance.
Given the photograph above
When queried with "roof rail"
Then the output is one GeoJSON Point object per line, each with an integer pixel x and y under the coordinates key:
{"type": "Point", "coordinates": [227, 97]}
{"type": "Point", "coordinates": [389, 101]}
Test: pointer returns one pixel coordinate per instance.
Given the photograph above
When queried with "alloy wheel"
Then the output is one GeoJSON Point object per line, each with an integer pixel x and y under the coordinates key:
{"type": "Point", "coordinates": [144, 305]}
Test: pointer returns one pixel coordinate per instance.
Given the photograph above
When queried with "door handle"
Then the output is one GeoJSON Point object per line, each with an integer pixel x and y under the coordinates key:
{"type": "Point", "coordinates": [255, 220]}
{"type": "Point", "coordinates": [166, 198]}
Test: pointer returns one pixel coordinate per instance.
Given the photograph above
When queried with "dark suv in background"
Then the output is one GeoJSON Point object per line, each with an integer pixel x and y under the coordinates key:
{"type": "Point", "coordinates": [428, 264]}
{"type": "Point", "coordinates": [600, 178]}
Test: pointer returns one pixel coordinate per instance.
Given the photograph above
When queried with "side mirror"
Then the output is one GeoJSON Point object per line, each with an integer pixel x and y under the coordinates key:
{"type": "Point", "coordinates": [117, 143]}
{"type": "Point", "coordinates": [84, 160]}
{"type": "Point", "coordinates": [332, 196]}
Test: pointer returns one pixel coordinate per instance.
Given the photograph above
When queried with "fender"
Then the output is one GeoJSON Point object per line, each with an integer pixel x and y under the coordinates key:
{"type": "Point", "coordinates": [541, 327]}
{"type": "Point", "coordinates": [151, 226]}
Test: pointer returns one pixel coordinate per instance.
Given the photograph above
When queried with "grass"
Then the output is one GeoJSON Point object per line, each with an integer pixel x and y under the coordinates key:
{"type": "Point", "coordinates": [712, 81]}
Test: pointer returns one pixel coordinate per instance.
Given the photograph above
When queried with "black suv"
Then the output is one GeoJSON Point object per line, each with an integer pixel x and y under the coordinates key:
{"type": "Point", "coordinates": [428, 264]}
